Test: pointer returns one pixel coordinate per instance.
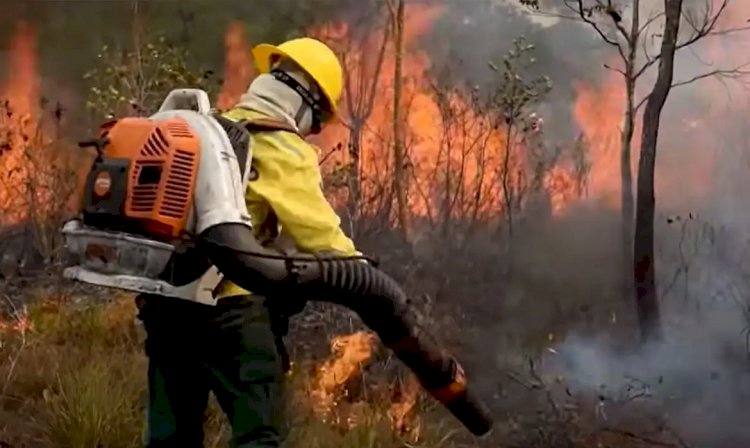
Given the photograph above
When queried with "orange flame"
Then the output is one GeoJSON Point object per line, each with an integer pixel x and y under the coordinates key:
{"type": "Point", "coordinates": [350, 352]}
{"type": "Point", "coordinates": [599, 113]}
{"type": "Point", "coordinates": [454, 151]}
{"type": "Point", "coordinates": [562, 188]}
{"type": "Point", "coordinates": [19, 99]}
{"type": "Point", "coordinates": [238, 67]}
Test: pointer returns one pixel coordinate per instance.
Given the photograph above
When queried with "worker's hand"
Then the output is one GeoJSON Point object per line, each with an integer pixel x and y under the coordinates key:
{"type": "Point", "coordinates": [371, 262]}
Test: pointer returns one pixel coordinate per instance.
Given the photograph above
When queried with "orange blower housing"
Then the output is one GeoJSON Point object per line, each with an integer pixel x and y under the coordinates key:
{"type": "Point", "coordinates": [144, 177]}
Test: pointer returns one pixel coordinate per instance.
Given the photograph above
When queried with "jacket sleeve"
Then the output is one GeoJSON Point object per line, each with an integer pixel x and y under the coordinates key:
{"type": "Point", "coordinates": [289, 180]}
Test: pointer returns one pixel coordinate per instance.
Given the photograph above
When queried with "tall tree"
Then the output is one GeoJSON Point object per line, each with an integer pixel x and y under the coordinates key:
{"type": "Point", "coordinates": [399, 148]}
{"type": "Point", "coordinates": [607, 20]}
{"type": "Point", "coordinates": [643, 247]}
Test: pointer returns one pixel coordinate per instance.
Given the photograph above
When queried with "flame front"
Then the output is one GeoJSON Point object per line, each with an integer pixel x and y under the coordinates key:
{"type": "Point", "coordinates": [599, 113]}
{"type": "Point", "coordinates": [238, 67]}
{"type": "Point", "coordinates": [19, 99]}
{"type": "Point", "coordinates": [454, 152]}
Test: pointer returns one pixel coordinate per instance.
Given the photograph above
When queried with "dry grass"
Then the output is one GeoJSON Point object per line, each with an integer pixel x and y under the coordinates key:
{"type": "Point", "coordinates": [78, 381]}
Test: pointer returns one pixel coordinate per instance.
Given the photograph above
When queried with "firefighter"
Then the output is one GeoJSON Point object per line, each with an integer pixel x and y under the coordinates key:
{"type": "Point", "coordinates": [235, 348]}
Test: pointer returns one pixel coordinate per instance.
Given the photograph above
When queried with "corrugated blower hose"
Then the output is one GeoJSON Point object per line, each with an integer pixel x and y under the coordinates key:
{"type": "Point", "coordinates": [378, 300]}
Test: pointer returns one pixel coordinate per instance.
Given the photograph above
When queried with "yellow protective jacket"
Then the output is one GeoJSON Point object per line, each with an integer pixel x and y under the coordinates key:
{"type": "Point", "coordinates": [287, 194]}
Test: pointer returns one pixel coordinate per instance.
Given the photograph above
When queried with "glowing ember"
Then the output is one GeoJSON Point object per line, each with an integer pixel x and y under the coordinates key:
{"type": "Point", "coordinates": [20, 324]}
{"type": "Point", "coordinates": [402, 407]}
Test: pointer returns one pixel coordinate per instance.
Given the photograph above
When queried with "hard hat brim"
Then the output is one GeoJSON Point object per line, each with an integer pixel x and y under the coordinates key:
{"type": "Point", "coordinates": [264, 53]}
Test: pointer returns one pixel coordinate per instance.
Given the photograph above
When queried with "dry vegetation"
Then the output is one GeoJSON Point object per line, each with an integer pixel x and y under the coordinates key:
{"type": "Point", "coordinates": [75, 377]}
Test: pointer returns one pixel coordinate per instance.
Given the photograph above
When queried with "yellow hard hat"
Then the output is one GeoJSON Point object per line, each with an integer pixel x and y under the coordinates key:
{"type": "Point", "coordinates": [314, 57]}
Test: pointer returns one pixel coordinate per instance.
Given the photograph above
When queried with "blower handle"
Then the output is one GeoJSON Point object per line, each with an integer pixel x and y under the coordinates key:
{"type": "Point", "coordinates": [190, 99]}
{"type": "Point", "coordinates": [96, 143]}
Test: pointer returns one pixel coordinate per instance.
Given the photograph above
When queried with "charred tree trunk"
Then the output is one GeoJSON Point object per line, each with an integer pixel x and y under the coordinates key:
{"type": "Point", "coordinates": [355, 171]}
{"type": "Point", "coordinates": [508, 191]}
{"type": "Point", "coordinates": [626, 173]}
{"type": "Point", "coordinates": [647, 301]}
{"type": "Point", "coordinates": [627, 205]}
{"type": "Point", "coordinates": [399, 161]}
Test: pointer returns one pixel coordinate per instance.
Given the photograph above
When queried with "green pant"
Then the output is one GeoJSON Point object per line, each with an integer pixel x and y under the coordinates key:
{"type": "Point", "coordinates": [229, 349]}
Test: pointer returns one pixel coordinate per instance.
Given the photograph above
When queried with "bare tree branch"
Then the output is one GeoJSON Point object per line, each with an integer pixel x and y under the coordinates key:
{"type": "Point", "coordinates": [736, 74]}
{"type": "Point", "coordinates": [584, 14]}
{"type": "Point", "coordinates": [704, 28]}
{"type": "Point", "coordinates": [615, 69]}
{"type": "Point", "coordinates": [649, 22]}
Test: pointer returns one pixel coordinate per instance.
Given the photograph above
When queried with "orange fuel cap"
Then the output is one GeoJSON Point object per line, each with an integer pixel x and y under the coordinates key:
{"type": "Point", "coordinates": [102, 183]}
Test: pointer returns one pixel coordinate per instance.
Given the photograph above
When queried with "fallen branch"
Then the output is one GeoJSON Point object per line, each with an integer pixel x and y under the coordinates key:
{"type": "Point", "coordinates": [547, 391]}
{"type": "Point", "coordinates": [515, 377]}
{"type": "Point", "coordinates": [645, 439]}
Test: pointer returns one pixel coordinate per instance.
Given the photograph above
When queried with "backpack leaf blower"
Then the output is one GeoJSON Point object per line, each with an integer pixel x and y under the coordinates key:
{"type": "Point", "coordinates": [163, 213]}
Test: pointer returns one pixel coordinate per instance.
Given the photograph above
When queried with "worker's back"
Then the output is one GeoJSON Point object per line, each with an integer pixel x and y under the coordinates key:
{"type": "Point", "coordinates": [284, 195]}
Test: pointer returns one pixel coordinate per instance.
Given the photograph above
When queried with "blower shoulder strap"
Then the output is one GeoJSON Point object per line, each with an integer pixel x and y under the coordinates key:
{"type": "Point", "coordinates": [266, 125]}
{"type": "Point", "coordinates": [239, 136]}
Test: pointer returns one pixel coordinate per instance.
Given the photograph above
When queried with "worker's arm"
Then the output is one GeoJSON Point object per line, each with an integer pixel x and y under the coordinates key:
{"type": "Point", "coordinates": [289, 180]}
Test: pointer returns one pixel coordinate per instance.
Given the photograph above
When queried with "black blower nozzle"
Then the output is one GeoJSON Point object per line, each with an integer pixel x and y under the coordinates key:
{"type": "Point", "coordinates": [444, 378]}
{"type": "Point", "coordinates": [471, 412]}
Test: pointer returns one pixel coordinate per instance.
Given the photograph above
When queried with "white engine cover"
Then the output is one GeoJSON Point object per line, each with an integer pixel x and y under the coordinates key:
{"type": "Point", "coordinates": [200, 290]}
{"type": "Point", "coordinates": [129, 262]}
